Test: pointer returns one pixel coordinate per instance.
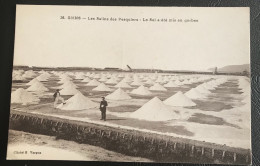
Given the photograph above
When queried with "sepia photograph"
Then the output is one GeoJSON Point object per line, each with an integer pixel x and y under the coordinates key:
{"type": "Point", "coordinates": [131, 84]}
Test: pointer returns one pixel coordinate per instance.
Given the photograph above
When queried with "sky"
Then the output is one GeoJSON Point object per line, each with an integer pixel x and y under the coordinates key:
{"type": "Point", "coordinates": [219, 38]}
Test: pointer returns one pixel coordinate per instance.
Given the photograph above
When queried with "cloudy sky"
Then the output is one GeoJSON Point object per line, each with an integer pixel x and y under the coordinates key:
{"type": "Point", "coordinates": [220, 38]}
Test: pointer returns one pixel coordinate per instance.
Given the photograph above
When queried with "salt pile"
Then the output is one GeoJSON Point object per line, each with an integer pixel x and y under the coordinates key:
{"type": "Point", "coordinates": [119, 94]}
{"type": "Point", "coordinates": [123, 84]}
{"type": "Point", "coordinates": [137, 82]}
{"type": "Point", "coordinates": [93, 83]}
{"type": "Point", "coordinates": [24, 97]}
{"type": "Point", "coordinates": [154, 110]}
{"type": "Point", "coordinates": [179, 100]}
{"type": "Point", "coordinates": [78, 102]}
{"type": "Point", "coordinates": [37, 86]}
{"type": "Point", "coordinates": [68, 84]}
{"type": "Point", "coordinates": [69, 91]}
{"type": "Point", "coordinates": [111, 81]}
{"type": "Point", "coordinates": [178, 82]}
{"type": "Point", "coordinates": [18, 78]}
{"type": "Point", "coordinates": [102, 87]}
{"type": "Point", "coordinates": [201, 89]}
{"type": "Point", "coordinates": [103, 79]}
{"type": "Point", "coordinates": [170, 84]}
{"type": "Point", "coordinates": [87, 79]}
{"type": "Point", "coordinates": [32, 81]}
{"type": "Point", "coordinates": [43, 77]}
{"type": "Point", "coordinates": [157, 87]}
{"type": "Point", "coordinates": [141, 90]}
{"type": "Point", "coordinates": [194, 94]}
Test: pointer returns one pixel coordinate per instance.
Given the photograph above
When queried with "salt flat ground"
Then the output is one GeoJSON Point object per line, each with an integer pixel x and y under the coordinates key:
{"type": "Point", "coordinates": [214, 119]}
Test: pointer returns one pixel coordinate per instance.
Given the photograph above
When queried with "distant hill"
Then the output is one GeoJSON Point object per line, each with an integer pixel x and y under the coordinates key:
{"type": "Point", "coordinates": [233, 68]}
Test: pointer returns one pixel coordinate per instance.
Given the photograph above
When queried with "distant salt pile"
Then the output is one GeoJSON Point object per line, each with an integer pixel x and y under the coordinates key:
{"type": "Point", "coordinates": [179, 100]}
{"type": "Point", "coordinates": [112, 80]}
{"type": "Point", "coordinates": [29, 74]}
{"type": "Point", "coordinates": [123, 84]}
{"type": "Point", "coordinates": [170, 84]}
{"type": "Point", "coordinates": [202, 89]}
{"type": "Point", "coordinates": [69, 91]}
{"type": "Point", "coordinates": [80, 76]}
{"type": "Point", "coordinates": [17, 77]}
{"type": "Point", "coordinates": [23, 97]}
{"type": "Point", "coordinates": [87, 79]}
{"type": "Point", "coordinates": [32, 81]}
{"type": "Point", "coordinates": [136, 82]}
{"type": "Point", "coordinates": [149, 81]}
{"type": "Point", "coordinates": [157, 87]}
{"type": "Point", "coordinates": [67, 84]}
{"type": "Point", "coordinates": [118, 94]}
{"type": "Point", "coordinates": [178, 82]}
{"type": "Point", "coordinates": [93, 82]}
{"type": "Point", "coordinates": [37, 86]}
{"type": "Point", "coordinates": [242, 83]}
{"type": "Point", "coordinates": [208, 86]}
{"type": "Point", "coordinates": [103, 79]}
{"type": "Point", "coordinates": [43, 77]}
{"type": "Point", "coordinates": [194, 94]}
{"type": "Point", "coordinates": [102, 87]}
{"type": "Point", "coordinates": [141, 90]}
{"type": "Point", "coordinates": [154, 110]}
{"type": "Point", "coordinates": [78, 102]}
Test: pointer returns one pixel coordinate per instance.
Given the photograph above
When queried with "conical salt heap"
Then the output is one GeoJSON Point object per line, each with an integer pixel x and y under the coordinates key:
{"type": "Point", "coordinates": [112, 80]}
{"type": "Point", "coordinates": [37, 86]}
{"type": "Point", "coordinates": [87, 79]}
{"type": "Point", "coordinates": [154, 110]}
{"type": "Point", "coordinates": [32, 81]}
{"type": "Point", "coordinates": [179, 100]}
{"type": "Point", "coordinates": [43, 77]}
{"type": "Point", "coordinates": [136, 82]}
{"type": "Point", "coordinates": [157, 87]}
{"type": "Point", "coordinates": [93, 83]}
{"type": "Point", "coordinates": [67, 84]}
{"type": "Point", "coordinates": [102, 87]}
{"type": "Point", "coordinates": [202, 89]}
{"type": "Point", "coordinates": [18, 77]}
{"type": "Point", "coordinates": [23, 97]}
{"type": "Point", "coordinates": [170, 84]}
{"type": "Point", "coordinates": [78, 102]}
{"type": "Point", "coordinates": [103, 79]}
{"type": "Point", "coordinates": [118, 94]}
{"type": "Point", "coordinates": [69, 91]}
{"type": "Point", "coordinates": [123, 84]}
{"type": "Point", "coordinates": [141, 90]}
{"type": "Point", "coordinates": [194, 94]}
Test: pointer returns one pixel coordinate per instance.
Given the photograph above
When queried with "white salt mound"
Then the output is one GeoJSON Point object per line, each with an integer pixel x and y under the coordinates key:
{"type": "Point", "coordinates": [93, 83]}
{"type": "Point", "coordinates": [194, 94]}
{"type": "Point", "coordinates": [141, 90]}
{"type": "Point", "coordinates": [32, 81]}
{"type": "Point", "coordinates": [123, 84]}
{"type": "Point", "coordinates": [157, 87]}
{"type": "Point", "coordinates": [179, 100]}
{"type": "Point", "coordinates": [170, 84]}
{"type": "Point", "coordinates": [118, 94]}
{"type": "Point", "coordinates": [69, 91]}
{"type": "Point", "coordinates": [154, 110]}
{"type": "Point", "coordinates": [37, 86]}
{"type": "Point", "coordinates": [102, 87]}
{"type": "Point", "coordinates": [78, 102]}
{"type": "Point", "coordinates": [24, 97]}
{"type": "Point", "coordinates": [203, 90]}
{"type": "Point", "coordinates": [87, 79]}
